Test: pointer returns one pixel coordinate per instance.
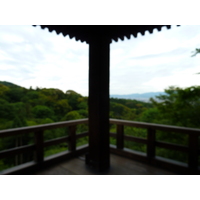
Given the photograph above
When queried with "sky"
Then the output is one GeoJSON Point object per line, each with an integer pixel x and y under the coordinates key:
{"type": "Point", "coordinates": [30, 56]}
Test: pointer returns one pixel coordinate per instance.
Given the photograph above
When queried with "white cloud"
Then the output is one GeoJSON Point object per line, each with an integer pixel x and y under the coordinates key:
{"type": "Point", "coordinates": [49, 60]}
{"type": "Point", "coordinates": [30, 56]}
{"type": "Point", "coordinates": [155, 61]}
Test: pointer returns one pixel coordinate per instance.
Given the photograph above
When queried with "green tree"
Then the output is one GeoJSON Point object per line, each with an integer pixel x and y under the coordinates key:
{"type": "Point", "coordinates": [72, 115]}
{"type": "Point", "coordinates": [73, 99]}
{"type": "Point", "coordinates": [19, 109]}
{"type": "Point", "coordinates": [41, 111]}
{"type": "Point", "coordinates": [3, 90]}
{"type": "Point", "coordinates": [62, 108]}
{"type": "Point", "coordinates": [179, 106]}
{"type": "Point", "coordinates": [16, 94]}
{"type": "Point", "coordinates": [6, 110]}
{"type": "Point", "coordinates": [119, 111]}
{"type": "Point", "coordinates": [151, 115]}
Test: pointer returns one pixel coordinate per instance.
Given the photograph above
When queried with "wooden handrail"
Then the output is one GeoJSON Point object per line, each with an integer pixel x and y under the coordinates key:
{"type": "Point", "coordinates": [56, 141]}
{"type": "Point", "coordinates": [80, 135]}
{"type": "Point", "coordinates": [155, 126]}
{"type": "Point", "coordinates": [39, 144]}
{"type": "Point", "coordinates": [28, 129]}
{"type": "Point", "coordinates": [135, 139]}
{"type": "Point", "coordinates": [192, 149]}
{"type": "Point", "coordinates": [171, 146]}
{"type": "Point", "coordinates": [17, 150]}
{"type": "Point", "coordinates": [150, 157]}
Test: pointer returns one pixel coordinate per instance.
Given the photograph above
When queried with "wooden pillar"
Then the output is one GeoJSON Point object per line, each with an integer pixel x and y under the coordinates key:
{"type": "Point", "coordinates": [99, 155]}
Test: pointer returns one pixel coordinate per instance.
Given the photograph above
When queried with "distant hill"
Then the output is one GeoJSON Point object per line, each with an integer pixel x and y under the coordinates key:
{"type": "Point", "coordinates": [9, 84]}
{"type": "Point", "coordinates": [140, 97]}
{"type": "Point", "coordinates": [137, 96]}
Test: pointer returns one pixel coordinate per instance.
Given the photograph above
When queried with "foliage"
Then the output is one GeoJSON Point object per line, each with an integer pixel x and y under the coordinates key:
{"type": "Point", "coordinates": [196, 52]}
{"type": "Point", "coordinates": [6, 110]}
{"type": "Point", "coordinates": [41, 111]}
{"type": "Point", "coordinates": [26, 107]}
{"type": "Point", "coordinates": [3, 90]}
{"type": "Point", "coordinates": [73, 98]}
{"type": "Point", "coordinates": [127, 109]}
{"type": "Point", "coordinates": [9, 84]}
{"type": "Point", "coordinates": [179, 106]}
{"type": "Point", "coordinates": [71, 116]}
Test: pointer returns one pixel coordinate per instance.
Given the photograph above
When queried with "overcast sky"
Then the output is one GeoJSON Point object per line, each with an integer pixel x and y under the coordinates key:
{"type": "Point", "coordinates": [30, 56]}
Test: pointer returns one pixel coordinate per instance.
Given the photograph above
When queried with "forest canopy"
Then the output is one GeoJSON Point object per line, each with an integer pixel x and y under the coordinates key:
{"type": "Point", "coordinates": [21, 107]}
{"type": "Point", "coordinates": [179, 106]}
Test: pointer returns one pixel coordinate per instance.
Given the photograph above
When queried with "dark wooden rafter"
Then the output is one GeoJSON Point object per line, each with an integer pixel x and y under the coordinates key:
{"type": "Point", "coordinates": [114, 32]}
{"type": "Point", "coordinates": [115, 39]}
{"type": "Point", "coordinates": [121, 37]}
{"type": "Point", "coordinates": [128, 36]}
{"type": "Point", "coordinates": [142, 32]}
{"type": "Point", "coordinates": [151, 31]}
{"type": "Point", "coordinates": [135, 34]}
{"type": "Point", "coordinates": [159, 28]}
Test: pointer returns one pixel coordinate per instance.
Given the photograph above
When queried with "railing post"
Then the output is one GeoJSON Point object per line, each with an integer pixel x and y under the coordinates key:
{"type": "Point", "coordinates": [39, 143]}
{"type": "Point", "coordinates": [193, 151]}
{"type": "Point", "coordinates": [72, 138]}
{"type": "Point", "coordinates": [120, 136]}
{"type": "Point", "coordinates": [150, 144]}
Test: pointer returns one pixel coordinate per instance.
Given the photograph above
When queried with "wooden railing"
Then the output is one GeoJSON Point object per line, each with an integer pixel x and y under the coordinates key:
{"type": "Point", "coordinates": [192, 149]}
{"type": "Point", "coordinates": [149, 157]}
{"type": "Point", "coordinates": [38, 147]}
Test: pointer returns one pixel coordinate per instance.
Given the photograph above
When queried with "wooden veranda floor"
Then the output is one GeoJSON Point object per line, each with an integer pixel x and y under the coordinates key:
{"type": "Point", "coordinates": [119, 166]}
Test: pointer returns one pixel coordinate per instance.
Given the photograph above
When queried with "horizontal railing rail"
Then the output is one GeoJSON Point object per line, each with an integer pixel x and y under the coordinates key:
{"type": "Point", "coordinates": [150, 157]}
{"type": "Point", "coordinates": [154, 126]}
{"type": "Point", "coordinates": [28, 129]}
{"type": "Point", "coordinates": [192, 149]}
{"type": "Point", "coordinates": [40, 144]}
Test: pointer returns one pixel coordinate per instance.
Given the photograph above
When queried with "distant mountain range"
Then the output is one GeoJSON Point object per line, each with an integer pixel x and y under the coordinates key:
{"type": "Point", "coordinates": [140, 97]}
{"type": "Point", "coordinates": [137, 96]}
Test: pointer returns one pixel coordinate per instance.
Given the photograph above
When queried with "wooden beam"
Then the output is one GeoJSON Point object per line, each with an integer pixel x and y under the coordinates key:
{"type": "Point", "coordinates": [98, 156]}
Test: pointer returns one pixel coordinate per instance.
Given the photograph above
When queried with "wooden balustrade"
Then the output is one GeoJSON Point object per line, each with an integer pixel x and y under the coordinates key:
{"type": "Point", "coordinates": [150, 156]}
{"type": "Point", "coordinates": [39, 144]}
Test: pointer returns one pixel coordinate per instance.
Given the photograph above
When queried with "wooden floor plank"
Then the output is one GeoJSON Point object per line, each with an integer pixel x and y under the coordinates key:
{"type": "Point", "coordinates": [119, 166]}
